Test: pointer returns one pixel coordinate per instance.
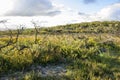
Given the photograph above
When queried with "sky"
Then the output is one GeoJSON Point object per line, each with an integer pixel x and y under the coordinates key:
{"type": "Point", "coordinates": [56, 12]}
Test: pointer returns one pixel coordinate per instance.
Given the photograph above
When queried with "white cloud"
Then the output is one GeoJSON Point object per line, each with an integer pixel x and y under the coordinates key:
{"type": "Point", "coordinates": [111, 12]}
{"type": "Point", "coordinates": [5, 5]}
{"type": "Point", "coordinates": [33, 8]}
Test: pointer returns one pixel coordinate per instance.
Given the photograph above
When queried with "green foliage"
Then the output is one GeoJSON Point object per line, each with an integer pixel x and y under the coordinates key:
{"type": "Point", "coordinates": [87, 56]}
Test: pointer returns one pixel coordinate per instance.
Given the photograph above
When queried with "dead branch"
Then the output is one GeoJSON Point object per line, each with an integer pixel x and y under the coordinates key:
{"type": "Point", "coordinates": [36, 31]}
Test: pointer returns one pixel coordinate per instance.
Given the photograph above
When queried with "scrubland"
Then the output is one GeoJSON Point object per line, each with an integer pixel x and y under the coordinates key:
{"type": "Point", "coordinates": [86, 51]}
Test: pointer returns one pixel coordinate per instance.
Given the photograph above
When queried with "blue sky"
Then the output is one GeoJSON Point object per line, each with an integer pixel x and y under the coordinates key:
{"type": "Point", "coordinates": [91, 7]}
{"type": "Point", "coordinates": [57, 12]}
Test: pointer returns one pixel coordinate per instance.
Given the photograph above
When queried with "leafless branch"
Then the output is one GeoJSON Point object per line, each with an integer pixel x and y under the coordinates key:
{"type": "Point", "coordinates": [36, 31]}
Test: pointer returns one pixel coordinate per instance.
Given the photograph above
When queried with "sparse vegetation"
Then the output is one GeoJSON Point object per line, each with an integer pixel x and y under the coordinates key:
{"type": "Point", "coordinates": [89, 51]}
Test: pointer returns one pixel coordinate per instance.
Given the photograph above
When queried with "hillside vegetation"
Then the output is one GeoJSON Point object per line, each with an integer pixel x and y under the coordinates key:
{"type": "Point", "coordinates": [85, 27]}
{"type": "Point", "coordinates": [88, 51]}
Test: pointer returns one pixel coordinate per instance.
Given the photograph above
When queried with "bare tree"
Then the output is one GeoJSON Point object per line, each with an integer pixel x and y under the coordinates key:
{"type": "Point", "coordinates": [36, 31]}
{"type": "Point", "coordinates": [10, 34]}
{"type": "Point", "coordinates": [10, 42]}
